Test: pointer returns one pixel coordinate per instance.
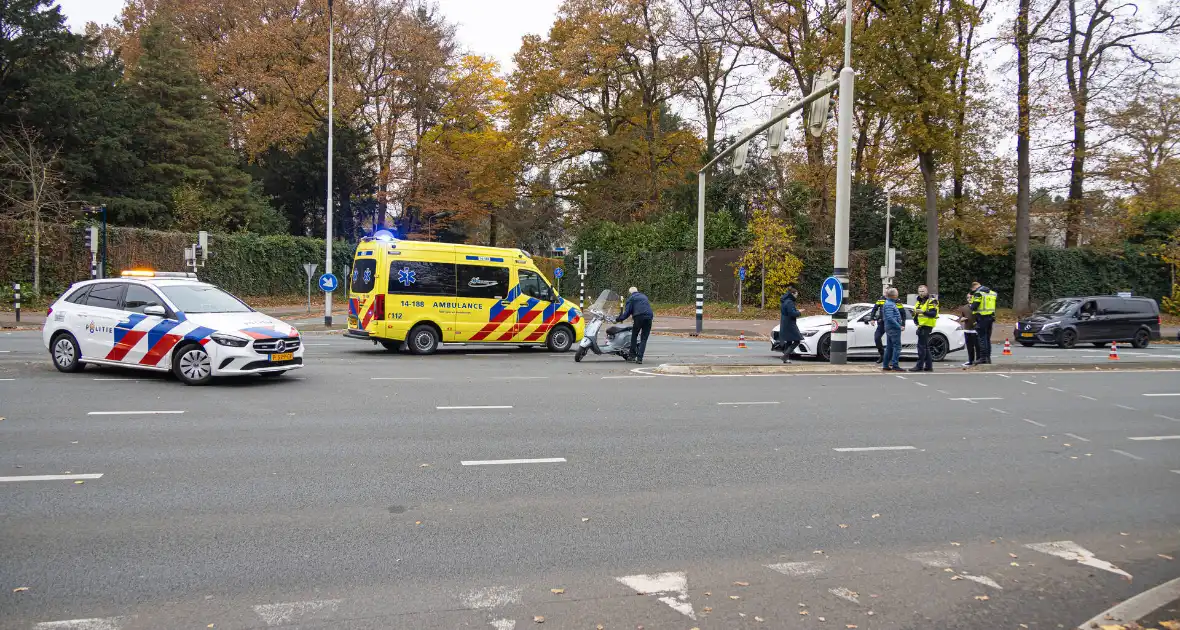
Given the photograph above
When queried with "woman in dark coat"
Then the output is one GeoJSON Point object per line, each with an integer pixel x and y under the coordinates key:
{"type": "Point", "coordinates": [788, 332]}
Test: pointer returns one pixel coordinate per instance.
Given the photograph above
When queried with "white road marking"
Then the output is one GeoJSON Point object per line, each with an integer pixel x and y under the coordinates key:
{"type": "Point", "coordinates": [619, 377]}
{"type": "Point", "coordinates": [1086, 397]}
{"type": "Point", "coordinates": [981, 579]}
{"type": "Point", "coordinates": [672, 586]}
{"type": "Point", "coordinates": [901, 377]}
{"type": "Point", "coordinates": [1003, 375]}
{"type": "Point", "coordinates": [1176, 471]}
{"type": "Point", "coordinates": [1032, 422]}
{"type": "Point", "coordinates": [763, 402]}
{"type": "Point", "coordinates": [494, 462]}
{"type": "Point", "coordinates": [1070, 550]}
{"type": "Point", "coordinates": [1169, 394]}
{"type": "Point", "coordinates": [521, 378]}
{"type": "Point", "coordinates": [975, 400]}
{"type": "Point", "coordinates": [464, 407]}
{"type": "Point", "coordinates": [943, 392]}
{"type": "Point", "coordinates": [797, 569]}
{"type": "Point", "coordinates": [936, 559]}
{"type": "Point", "coordinates": [1160, 415]}
{"type": "Point", "coordinates": [53, 477]}
{"type": "Point", "coordinates": [1155, 438]}
{"type": "Point", "coordinates": [503, 624]}
{"type": "Point", "coordinates": [290, 612]}
{"type": "Point", "coordinates": [400, 378]}
{"type": "Point", "coordinates": [7, 379]}
{"type": "Point", "coordinates": [1137, 607]}
{"type": "Point", "coordinates": [1126, 454]}
{"type": "Point", "coordinates": [132, 413]}
{"type": "Point", "coordinates": [1125, 407]}
{"type": "Point", "coordinates": [858, 449]}
{"type": "Point", "coordinates": [920, 384]}
{"type": "Point", "coordinates": [1057, 390]}
{"type": "Point", "coordinates": [998, 410]}
{"type": "Point", "coordinates": [490, 597]}
{"type": "Point", "coordinates": [1030, 382]}
{"type": "Point", "coordinates": [844, 594]}
{"type": "Point", "coordinates": [1077, 437]}
{"type": "Point", "coordinates": [105, 623]}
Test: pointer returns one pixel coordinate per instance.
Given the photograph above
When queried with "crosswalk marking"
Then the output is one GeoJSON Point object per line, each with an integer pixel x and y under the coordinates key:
{"type": "Point", "coordinates": [1070, 550]}
{"type": "Point", "coordinates": [290, 612]}
{"type": "Point", "coordinates": [796, 569]}
{"type": "Point", "coordinates": [105, 623]}
{"type": "Point", "coordinates": [672, 587]}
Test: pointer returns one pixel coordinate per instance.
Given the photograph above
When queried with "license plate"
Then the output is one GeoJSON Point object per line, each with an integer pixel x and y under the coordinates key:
{"type": "Point", "coordinates": [286, 356]}
{"type": "Point", "coordinates": [352, 322]}
{"type": "Point", "coordinates": [1026, 334]}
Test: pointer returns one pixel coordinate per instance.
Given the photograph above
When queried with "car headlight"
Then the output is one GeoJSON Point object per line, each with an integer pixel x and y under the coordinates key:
{"type": "Point", "coordinates": [1049, 325]}
{"type": "Point", "coordinates": [810, 333]}
{"type": "Point", "coordinates": [229, 340]}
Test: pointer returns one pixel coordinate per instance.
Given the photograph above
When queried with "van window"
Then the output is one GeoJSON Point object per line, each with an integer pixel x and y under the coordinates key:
{"type": "Point", "coordinates": [364, 275]}
{"type": "Point", "coordinates": [533, 285]}
{"type": "Point", "coordinates": [421, 278]}
{"type": "Point", "coordinates": [105, 295]}
{"type": "Point", "coordinates": [1089, 308]}
{"type": "Point", "coordinates": [1110, 306]}
{"type": "Point", "coordinates": [480, 281]}
{"type": "Point", "coordinates": [1141, 307]}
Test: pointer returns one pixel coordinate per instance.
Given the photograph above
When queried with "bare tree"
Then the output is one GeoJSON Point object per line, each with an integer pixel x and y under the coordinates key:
{"type": "Point", "coordinates": [31, 187]}
{"type": "Point", "coordinates": [1103, 46]}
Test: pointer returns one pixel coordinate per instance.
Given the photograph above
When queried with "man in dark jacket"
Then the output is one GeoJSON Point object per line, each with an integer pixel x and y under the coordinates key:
{"type": "Point", "coordinates": [639, 308]}
{"type": "Point", "coordinates": [876, 316]}
{"type": "Point", "coordinates": [891, 314]}
{"type": "Point", "coordinates": [788, 331]}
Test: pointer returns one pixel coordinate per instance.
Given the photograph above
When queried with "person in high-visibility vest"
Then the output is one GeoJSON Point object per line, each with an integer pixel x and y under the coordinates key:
{"type": "Point", "coordinates": [983, 304]}
{"type": "Point", "coordinates": [926, 316]}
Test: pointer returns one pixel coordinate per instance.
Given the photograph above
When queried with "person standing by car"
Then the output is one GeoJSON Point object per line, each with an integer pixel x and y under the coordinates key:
{"type": "Point", "coordinates": [891, 315]}
{"type": "Point", "coordinates": [639, 308]}
{"type": "Point", "coordinates": [879, 334]}
{"type": "Point", "coordinates": [983, 304]}
{"type": "Point", "coordinates": [926, 317]}
{"type": "Point", "coordinates": [788, 331]}
{"type": "Point", "coordinates": [967, 318]}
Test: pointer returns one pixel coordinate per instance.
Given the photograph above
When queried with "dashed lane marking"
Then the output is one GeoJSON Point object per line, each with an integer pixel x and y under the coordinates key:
{"type": "Point", "coordinates": [1160, 415]}
{"type": "Point", "coordinates": [1086, 397]}
{"type": "Point", "coordinates": [400, 378]}
{"type": "Point", "coordinates": [1057, 390]}
{"type": "Point", "coordinates": [133, 413]}
{"type": "Point", "coordinates": [1155, 438]}
{"type": "Point", "coordinates": [1165, 394]}
{"type": "Point", "coordinates": [1070, 550]}
{"type": "Point", "coordinates": [998, 410]}
{"type": "Point", "coordinates": [1125, 407]}
{"type": "Point", "coordinates": [1030, 382]}
{"type": "Point", "coordinates": [860, 449]}
{"type": "Point", "coordinates": [1033, 422]}
{"type": "Point", "coordinates": [754, 402]}
{"type": "Point", "coordinates": [53, 477]}
{"type": "Point", "coordinates": [105, 623]}
{"type": "Point", "coordinates": [920, 384]}
{"type": "Point", "coordinates": [294, 612]}
{"type": "Point", "coordinates": [1126, 454]}
{"type": "Point", "coordinates": [471, 407]}
{"type": "Point", "coordinates": [498, 462]}
{"type": "Point", "coordinates": [976, 400]}
{"type": "Point", "coordinates": [797, 569]}
{"type": "Point", "coordinates": [1077, 437]}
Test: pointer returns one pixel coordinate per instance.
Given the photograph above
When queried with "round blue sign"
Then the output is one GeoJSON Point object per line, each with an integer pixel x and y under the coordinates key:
{"type": "Point", "coordinates": [831, 295]}
{"type": "Point", "coordinates": [328, 282]}
{"type": "Point", "coordinates": [742, 273]}
{"type": "Point", "coordinates": [558, 273]}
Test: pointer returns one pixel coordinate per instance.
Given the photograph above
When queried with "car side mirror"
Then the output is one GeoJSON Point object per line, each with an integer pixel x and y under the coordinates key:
{"type": "Point", "coordinates": [154, 310]}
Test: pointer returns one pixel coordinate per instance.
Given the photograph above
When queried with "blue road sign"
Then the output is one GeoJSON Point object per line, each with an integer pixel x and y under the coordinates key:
{"type": "Point", "coordinates": [831, 295]}
{"type": "Point", "coordinates": [328, 282]}
{"type": "Point", "coordinates": [742, 274]}
{"type": "Point", "coordinates": [558, 273]}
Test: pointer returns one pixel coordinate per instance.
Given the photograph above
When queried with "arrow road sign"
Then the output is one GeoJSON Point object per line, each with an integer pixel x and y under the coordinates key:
{"type": "Point", "coordinates": [831, 295]}
{"type": "Point", "coordinates": [742, 274]}
{"type": "Point", "coordinates": [558, 273]}
{"type": "Point", "coordinates": [328, 282]}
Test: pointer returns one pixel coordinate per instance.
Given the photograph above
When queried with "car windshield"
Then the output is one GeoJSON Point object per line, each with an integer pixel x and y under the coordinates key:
{"type": "Point", "coordinates": [202, 298]}
{"type": "Point", "coordinates": [1057, 307]}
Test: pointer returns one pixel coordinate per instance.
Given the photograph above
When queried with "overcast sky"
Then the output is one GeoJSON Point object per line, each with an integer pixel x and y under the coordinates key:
{"type": "Point", "coordinates": [485, 27]}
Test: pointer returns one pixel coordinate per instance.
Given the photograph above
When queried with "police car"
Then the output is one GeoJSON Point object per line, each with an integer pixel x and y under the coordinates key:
{"type": "Point", "coordinates": [167, 322]}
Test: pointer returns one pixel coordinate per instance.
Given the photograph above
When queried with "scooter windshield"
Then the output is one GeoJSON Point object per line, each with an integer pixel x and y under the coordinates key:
{"type": "Point", "coordinates": [606, 300]}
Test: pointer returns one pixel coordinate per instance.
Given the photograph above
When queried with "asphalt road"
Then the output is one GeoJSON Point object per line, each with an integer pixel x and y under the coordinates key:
{"type": "Point", "coordinates": [358, 493]}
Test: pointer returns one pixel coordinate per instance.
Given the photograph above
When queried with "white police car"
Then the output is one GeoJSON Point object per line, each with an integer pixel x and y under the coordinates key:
{"type": "Point", "coordinates": [167, 321]}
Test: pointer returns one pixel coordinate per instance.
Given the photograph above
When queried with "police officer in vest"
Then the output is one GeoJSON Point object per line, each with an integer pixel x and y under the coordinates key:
{"type": "Point", "coordinates": [879, 318]}
{"type": "Point", "coordinates": [983, 304]}
{"type": "Point", "coordinates": [926, 314]}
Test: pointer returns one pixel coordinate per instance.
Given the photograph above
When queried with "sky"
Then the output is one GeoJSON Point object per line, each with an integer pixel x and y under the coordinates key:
{"type": "Point", "coordinates": [485, 28]}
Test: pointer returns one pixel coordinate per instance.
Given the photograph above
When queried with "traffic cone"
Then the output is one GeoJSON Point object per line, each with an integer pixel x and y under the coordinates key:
{"type": "Point", "coordinates": [1007, 349]}
{"type": "Point", "coordinates": [1114, 351]}
{"type": "Point", "coordinates": [742, 341]}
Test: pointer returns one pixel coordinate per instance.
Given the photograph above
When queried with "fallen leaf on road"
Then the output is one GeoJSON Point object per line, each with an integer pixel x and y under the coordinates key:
{"type": "Point", "coordinates": [79, 482]}
{"type": "Point", "coordinates": [759, 619]}
{"type": "Point", "coordinates": [417, 522]}
{"type": "Point", "coordinates": [949, 570]}
{"type": "Point", "coordinates": [955, 544]}
{"type": "Point", "coordinates": [735, 596]}
{"type": "Point", "coordinates": [1165, 556]}
{"type": "Point", "coordinates": [850, 625]}
{"type": "Point", "coordinates": [876, 516]}
{"type": "Point", "coordinates": [1170, 625]}
{"type": "Point", "coordinates": [20, 589]}
{"type": "Point", "coordinates": [585, 519]}
{"type": "Point", "coordinates": [1066, 445]}
{"type": "Point", "coordinates": [741, 614]}
{"type": "Point", "coordinates": [538, 619]}
{"type": "Point", "coordinates": [1112, 626]}
{"type": "Point", "coordinates": [1015, 564]}
{"type": "Point", "coordinates": [1012, 555]}
{"type": "Point", "coordinates": [956, 577]}
{"type": "Point", "coordinates": [821, 618]}
{"type": "Point", "coordinates": [804, 612]}
{"type": "Point", "coordinates": [557, 591]}
{"type": "Point", "coordinates": [982, 598]}
{"type": "Point", "coordinates": [843, 526]}
{"type": "Point", "coordinates": [874, 595]}
{"type": "Point", "coordinates": [1123, 534]}
{"type": "Point", "coordinates": [707, 593]}
{"type": "Point", "coordinates": [210, 625]}
{"type": "Point", "coordinates": [870, 613]}
{"type": "Point", "coordinates": [423, 465]}
{"type": "Point", "coordinates": [741, 583]}
{"type": "Point", "coordinates": [708, 609]}
{"type": "Point", "coordinates": [602, 627]}
{"type": "Point", "coordinates": [817, 552]}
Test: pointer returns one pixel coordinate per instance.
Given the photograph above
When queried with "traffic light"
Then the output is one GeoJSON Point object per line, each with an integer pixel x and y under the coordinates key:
{"type": "Point", "coordinates": [88, 234]}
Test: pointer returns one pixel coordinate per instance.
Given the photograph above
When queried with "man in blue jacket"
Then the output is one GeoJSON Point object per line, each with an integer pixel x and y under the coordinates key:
{"type": "Point", "coordinates": [639, 308]}
{"type": "Point", "coordinates": [892, 316]}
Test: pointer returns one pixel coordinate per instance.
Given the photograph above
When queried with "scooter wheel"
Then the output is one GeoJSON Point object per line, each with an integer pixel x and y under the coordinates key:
{"type": "Point", "coordinates": [579, 355]}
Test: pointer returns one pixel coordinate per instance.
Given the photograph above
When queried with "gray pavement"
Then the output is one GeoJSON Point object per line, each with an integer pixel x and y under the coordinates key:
{"type": "Point", "coordinates": [338, 497]}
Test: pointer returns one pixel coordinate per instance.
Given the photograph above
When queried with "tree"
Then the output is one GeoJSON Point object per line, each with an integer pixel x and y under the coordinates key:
{"type": "Point", "coordinates": [771, 248]}
{"type": "Point", "coordinates": [1143, 148]}
{"type": "Point", "coordinates": [32, 186]}
{"type": "Point", "coordinates": [1103, 46]}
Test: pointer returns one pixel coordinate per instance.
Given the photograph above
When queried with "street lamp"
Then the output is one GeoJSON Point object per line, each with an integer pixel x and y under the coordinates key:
{"type": "Point", "coordinates": [328, 204]}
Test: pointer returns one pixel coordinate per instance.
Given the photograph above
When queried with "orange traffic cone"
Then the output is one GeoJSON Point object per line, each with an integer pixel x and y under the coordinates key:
{"type": "Point", "coordinates": [1007, 348]}
{"type": "Point", "coordinates": [742, 341]}
{"type": "Point", "coordinates": [1114, 351]}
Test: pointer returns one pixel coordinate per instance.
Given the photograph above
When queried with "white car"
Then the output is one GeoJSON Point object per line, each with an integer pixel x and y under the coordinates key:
{"type": "Point", "coordinates": [947, 336]}
{"type": "Point", "coordinates": [167, 321]}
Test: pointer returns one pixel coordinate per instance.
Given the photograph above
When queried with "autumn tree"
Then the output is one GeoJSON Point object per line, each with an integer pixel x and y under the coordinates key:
{"type": "Point", "coordinates": [1142, 148]}
{"type": "Point", "coordinates": [31, 185]}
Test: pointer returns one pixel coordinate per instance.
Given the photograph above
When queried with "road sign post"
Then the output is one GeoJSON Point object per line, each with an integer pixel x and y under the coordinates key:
{"type": "Point", "coordinates": [309, 269]}
{"type": "Point", "coordinates": [741, 281]}
{"type": "Point", "coordinates": [557, 274]}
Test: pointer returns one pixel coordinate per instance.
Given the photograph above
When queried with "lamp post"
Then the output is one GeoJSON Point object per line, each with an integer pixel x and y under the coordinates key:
{"type": "Point", "coordinates": [328, 204]}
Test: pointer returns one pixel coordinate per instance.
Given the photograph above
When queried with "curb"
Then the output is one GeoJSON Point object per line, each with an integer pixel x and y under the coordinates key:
{"type": "Point", "coordinates": [737, 369]}
{"type": "Point", "coordinates": [1137, 607]}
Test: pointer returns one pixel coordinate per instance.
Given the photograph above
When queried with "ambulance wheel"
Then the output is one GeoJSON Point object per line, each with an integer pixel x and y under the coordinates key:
{"type": "Point", "coordinates": [191, 364]}
{"type": "Point", "coordinates": [579, 355]}
{"type": "Point", "coordinates": [392, 346]}
{"type": "Point", "coordinates": [560, 339]}
{"type": "Point", "coordinates": [66, 356]}
{"type": "Point", "coordinates": [423, 339]}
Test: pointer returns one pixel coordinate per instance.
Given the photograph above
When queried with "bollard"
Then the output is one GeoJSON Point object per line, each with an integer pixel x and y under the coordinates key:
{"type": "Point", "coordinates": [16, 300]}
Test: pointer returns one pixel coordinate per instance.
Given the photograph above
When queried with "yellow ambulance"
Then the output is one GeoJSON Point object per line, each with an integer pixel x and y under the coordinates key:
{"type": "Point", "coordinates": [422, 294]}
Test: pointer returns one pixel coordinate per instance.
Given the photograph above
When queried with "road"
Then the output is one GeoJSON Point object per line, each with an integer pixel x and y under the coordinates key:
{"type": "Point", "coordinates": [360, 492]}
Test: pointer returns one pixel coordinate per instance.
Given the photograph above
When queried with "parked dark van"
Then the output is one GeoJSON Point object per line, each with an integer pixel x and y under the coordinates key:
{"type": "Point", "coordinates": [1098, 319]}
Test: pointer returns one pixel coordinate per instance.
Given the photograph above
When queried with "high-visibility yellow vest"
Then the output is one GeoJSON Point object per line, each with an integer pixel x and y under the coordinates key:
{"type": "Point", "coordinates": [985, 303]}
{"type": "Point", "coordinates": [920, 312]}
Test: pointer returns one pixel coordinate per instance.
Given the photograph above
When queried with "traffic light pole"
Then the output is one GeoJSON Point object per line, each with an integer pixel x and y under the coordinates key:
{"type": "Point", "coordinates": [839, 340]}
{"type": "Point", "coordinates": [328, 205]}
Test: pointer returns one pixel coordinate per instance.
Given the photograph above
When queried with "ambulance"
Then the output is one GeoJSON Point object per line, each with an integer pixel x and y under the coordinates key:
{"type": "Point", "coordinates": [416, 294]}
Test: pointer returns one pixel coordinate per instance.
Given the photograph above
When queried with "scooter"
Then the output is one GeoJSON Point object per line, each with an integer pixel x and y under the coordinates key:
{"type": "Point", "coordinates": [618, 338]}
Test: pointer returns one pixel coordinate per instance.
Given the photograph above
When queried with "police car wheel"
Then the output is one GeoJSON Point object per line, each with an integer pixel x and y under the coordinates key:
{"type": "Point", "coordinates": [560, 339]}
{"type": "Point", "coordinates": [192, 366]}
{"type": "Point", "coordinates": [66, 357]}
{"type": "Point", "coordinates": [423, 340]}
{"type": "Point", "coordinates": [938, 347]}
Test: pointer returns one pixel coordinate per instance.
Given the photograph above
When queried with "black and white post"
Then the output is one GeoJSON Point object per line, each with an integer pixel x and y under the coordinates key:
{"type": "Point", "coordinates": [839, 349]}
{"type": "Point", "coordinates": [328, 204]}
{"type": "Point", "coordinates": [92, 241]}
{"type": "Point", "coordinates": [583, 269]}
{"type": "Point", "coordinates": [16, 300]}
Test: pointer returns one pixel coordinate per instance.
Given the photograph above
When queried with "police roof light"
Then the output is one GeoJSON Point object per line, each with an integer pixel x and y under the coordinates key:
{"type": "Point", "coordinates": [148, 273]}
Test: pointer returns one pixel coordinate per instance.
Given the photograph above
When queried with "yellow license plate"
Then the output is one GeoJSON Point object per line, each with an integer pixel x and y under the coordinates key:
{"type": "Point", "coordinates": [352, 322]}
{"type": "Point", "coordinates": [1026, 334]}
{"type": "Point", "coordinates": [286, 356]}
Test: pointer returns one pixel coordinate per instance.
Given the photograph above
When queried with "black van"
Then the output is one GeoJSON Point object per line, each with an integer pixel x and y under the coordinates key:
{"type": "Point", "coordinates": [1099, 320]}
